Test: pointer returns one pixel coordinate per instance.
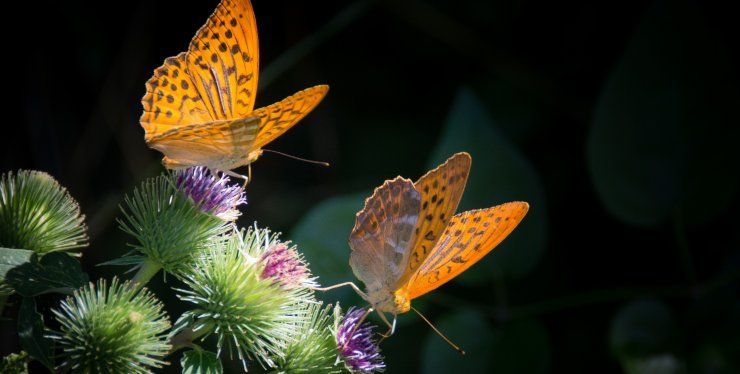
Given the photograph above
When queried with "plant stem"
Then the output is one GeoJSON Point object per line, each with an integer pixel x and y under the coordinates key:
{"type": "Point", "coordinates": [145, 273]}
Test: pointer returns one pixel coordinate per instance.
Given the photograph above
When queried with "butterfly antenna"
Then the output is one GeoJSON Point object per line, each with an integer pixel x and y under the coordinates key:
{"type": "Point", "coordinates": [322, 163]}
{"type": "Point", "coordinates": [453, 345]}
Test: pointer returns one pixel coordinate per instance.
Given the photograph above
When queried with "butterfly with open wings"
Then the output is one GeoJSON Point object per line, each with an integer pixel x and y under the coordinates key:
{"type": "Point", "coordinates": [407, 240]}
{"type": "Point", "coordinates": [199, 105]}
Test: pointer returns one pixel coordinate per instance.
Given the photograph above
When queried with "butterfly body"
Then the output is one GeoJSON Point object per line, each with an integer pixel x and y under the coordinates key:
{"type": "Point", "coordinates": [407, 240]}
{"type": "Point", "coordinates": [199, 105]}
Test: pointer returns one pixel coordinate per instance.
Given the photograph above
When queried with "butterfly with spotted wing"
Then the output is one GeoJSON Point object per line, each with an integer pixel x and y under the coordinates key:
{"type": "Point", "coordinates": [199, 105]}
{"type": "Point", "coordinates": [407, 240]}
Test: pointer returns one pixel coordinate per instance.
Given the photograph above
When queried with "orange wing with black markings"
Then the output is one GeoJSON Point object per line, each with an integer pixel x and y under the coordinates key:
{"type": "Point", "coordinates": [223, 60]}
{"type": "Point", "coordinates": [441, 190]}
{"type": "Point", "coordinates": [171, 100]}
{"type": "Point", "coordinates": [278, 118]}
{"type": "Point", "coordinates": [199, 105]}
{"type": "Point", "coordinates": [468, 237]}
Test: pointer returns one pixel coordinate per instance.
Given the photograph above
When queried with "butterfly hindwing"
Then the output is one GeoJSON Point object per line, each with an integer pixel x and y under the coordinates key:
{"type": "Point", "coordinates": [469, 236]}
{"type": "Point", "coordinates": [209, 143]}
{"type": "Point", "coordinates": [278, 118]}
{"type": "Point", "coordinates": [441, 190]}
{"type": "Point", "coordinates": [223, 60]}
{"type": "Point", "coordinates": [171, 99]}
{"type": "Point", "coordinates": [383, 232]}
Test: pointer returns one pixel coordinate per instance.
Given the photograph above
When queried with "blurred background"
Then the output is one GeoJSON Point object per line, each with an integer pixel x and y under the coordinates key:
{"type": "Point", "coordinates": [617, 121]}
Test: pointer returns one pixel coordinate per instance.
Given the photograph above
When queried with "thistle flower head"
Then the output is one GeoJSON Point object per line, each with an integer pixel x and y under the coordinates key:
{"type": "Point", "coordinates": [357, 347]}
{"type": "Point", "coordinates": [170, 229]}
{"type": "Point", "coordinates": [249, 315]}
{"type": "Point", "coordinates": [212, 194]}
{"type": "Point", "coordinates": [38, 214]}
{"type": "Point", "coordinates": [285, 265]}
{"type": "Point", "coordinates": [312, 348]}
{"type": "Point", "coordinates": [112, 329]}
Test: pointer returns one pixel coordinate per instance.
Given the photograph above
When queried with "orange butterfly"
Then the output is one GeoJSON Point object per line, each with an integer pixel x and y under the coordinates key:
{"type": "Point", "coordinates": [198, 106]}
{"type": "Point", "coordinates": [407, 240]}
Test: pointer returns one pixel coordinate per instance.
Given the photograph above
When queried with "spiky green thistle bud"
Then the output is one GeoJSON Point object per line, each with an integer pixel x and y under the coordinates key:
{"type": "Point", "coordinates": [313, 347]}
{"type": "Point", "coordinates": [170, 228]}
{"type": "Point", "coordinates": [116, 329]}
{"type": "Point", "coordinates": [38, 214]}
{"type": "Point", "coordinates": [250, 315]}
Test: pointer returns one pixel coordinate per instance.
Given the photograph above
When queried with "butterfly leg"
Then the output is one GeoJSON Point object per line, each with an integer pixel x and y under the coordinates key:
{"type": "Point", "coordinates": [354, 286]}
{"type": "Point", "coordinates": [235, 175]}
{"type": "Point", "coordinates": [391, 326]}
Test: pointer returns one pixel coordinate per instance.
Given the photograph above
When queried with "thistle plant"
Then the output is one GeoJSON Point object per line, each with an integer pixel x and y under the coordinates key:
{"type": "Point", "coordinates": [38, 214]}
{"type": "Point", "coordinates": [117, 328]}
{"type": "Point", "coordinates": [357, 348]}
{"type": "Point", "coordinates": [313, 346]}
{"type": "Point", "coordinates": [213, 194]}
{"type": "Point", "coordinates": [173, 220]}
{"type": "Point", "coordinates": [252, 316]}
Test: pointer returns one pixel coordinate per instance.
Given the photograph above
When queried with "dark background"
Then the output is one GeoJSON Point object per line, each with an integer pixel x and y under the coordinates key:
{"type": "Point", "coordinates": [617, 121]}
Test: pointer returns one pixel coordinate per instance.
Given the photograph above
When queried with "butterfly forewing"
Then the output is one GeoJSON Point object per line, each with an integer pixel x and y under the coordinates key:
{"type": "Point", "coordinates": [441, 190]}
{"type": "Point", "coordinates": [468, 237]}
{"type": "Point", "coordinates": [279, 117]}
{"type": "Point", "coordinates": [171, 99]}
{"type": "Point", "coordinates": [223, 60]}
{"type": "Point", "coordinates": [383, 232]}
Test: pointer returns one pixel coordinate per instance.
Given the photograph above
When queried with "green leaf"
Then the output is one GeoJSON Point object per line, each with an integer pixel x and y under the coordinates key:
{"type": "Point", "coordinates": [499, 173]}
{"type": "Point", "coordinates": [11, 258]}
{"type": "Point", "coordinates": [199, 361]}
{"type": "Point", "coordinates": [322, 236]}
{"type": "Point", "coordinates": [664, 135]}
{"type": "Point", "coordinates": [641, 329]}
{"type": "Point", "coordinates": [516, 347]}
{"type": "Point", "coordinates": [31, 333]}
{"type": "Point", "coordinates": [55, 272]}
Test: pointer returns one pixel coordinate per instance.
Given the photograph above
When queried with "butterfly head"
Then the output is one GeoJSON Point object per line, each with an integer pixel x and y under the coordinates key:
{"type": "Point", "coordinates": [396, 302]}
{"type": "Point", "coordinates": [253, 156]}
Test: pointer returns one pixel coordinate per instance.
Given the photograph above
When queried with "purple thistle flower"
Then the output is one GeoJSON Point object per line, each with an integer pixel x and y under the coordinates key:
{"type": "Point", "coordinates": [285, 265]}
{"type": "Point", "coordinates": [214, 195]}
{"type": "Point", "coordinates": [356, 345]}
